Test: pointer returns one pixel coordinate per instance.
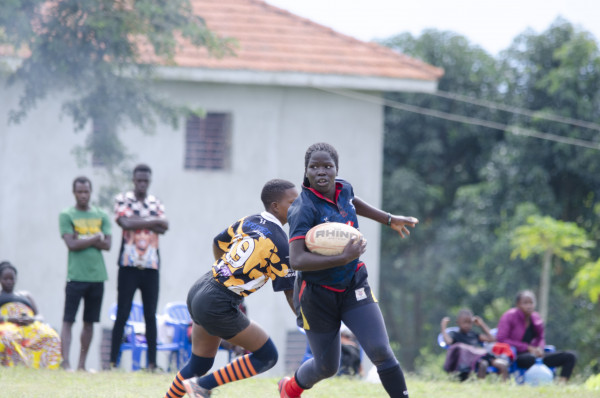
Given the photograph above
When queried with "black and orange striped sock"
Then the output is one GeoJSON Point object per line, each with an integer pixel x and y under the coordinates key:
{"type": "Point", "coordinates": [243, 367]}
{"type": "Point", "coordinates": [196, 366]}
{"type": "Point", "coordinates": [238, 369]}
{"type": "Point", "coordinates": [176, 390]}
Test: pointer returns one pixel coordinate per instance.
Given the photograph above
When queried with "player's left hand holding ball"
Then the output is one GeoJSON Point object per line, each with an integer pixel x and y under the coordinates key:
{"type": "Point", "coordinates": [399, 224]}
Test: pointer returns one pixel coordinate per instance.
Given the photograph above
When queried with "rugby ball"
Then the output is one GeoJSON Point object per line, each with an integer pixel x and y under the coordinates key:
{"type": "Point", "coordinates": [330, 238]}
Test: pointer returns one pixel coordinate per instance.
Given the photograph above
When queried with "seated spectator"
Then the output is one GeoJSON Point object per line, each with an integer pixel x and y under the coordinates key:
{"type": "Point", "coordinates": [466, 353]}
{"type": "Point", "coordinates": [523, 328]}
{"type": "Point", "coordinates": [23, 338]}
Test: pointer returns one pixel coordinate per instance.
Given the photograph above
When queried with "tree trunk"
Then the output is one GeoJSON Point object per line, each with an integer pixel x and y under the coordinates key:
{"type": "Point", "coordinates": [545, 284]}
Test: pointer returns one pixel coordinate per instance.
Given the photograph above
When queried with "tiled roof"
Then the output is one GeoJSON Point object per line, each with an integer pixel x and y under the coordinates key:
{"type": "Point", "coordinates": [273, 40]}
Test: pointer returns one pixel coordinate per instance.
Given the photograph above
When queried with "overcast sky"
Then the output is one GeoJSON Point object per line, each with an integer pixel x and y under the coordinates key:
{"type": "Point", "coordinates": [491, 24]}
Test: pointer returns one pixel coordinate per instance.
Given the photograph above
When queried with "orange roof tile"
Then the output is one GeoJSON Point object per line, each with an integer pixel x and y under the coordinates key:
{"type": "Point", "coordinates": [274, 40]}
{"type": "Point", "coordinates": [271, 39]}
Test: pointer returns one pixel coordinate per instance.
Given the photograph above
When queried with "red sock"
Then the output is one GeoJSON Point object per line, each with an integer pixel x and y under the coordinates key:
{"type": "Point", "coordinates": [292, 388]}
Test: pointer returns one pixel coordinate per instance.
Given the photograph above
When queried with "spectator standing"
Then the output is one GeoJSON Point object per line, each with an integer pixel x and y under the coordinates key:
{"type": "Point", "coordinates": [86, 230]}
{"type": "Point", "coordinates": [142, 218]}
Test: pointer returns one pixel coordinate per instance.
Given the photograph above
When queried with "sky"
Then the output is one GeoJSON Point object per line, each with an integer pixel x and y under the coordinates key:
{"type": "Point", "coordinates": [491, 24]}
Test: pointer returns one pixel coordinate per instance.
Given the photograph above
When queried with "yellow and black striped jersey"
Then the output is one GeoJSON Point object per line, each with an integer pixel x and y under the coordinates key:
{"type": "Point", "coordinates": [256, 250]}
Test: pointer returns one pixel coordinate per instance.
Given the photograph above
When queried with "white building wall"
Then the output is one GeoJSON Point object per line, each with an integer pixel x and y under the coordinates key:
{"type": "Point", "coordinates": [272, 128]}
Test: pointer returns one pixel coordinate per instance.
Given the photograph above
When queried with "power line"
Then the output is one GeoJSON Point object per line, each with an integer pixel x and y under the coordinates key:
{"type": "Point", "coordinates": [464, 119]}
{"type": "Point", "coordinates": [520, 111]}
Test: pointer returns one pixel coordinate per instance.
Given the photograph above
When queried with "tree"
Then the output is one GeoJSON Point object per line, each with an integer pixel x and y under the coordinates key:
{"type": "Point", "coordinates": [587, 281]}
{"type": "Point", "coordinates": [102, 54]}
{"type": "Point", "coordinates": [587, 278]}
{"type": "Point", "coordinates": [557, 72]}
{"type": "Point", "coordinates": [426, 161]}
{"type": "Point", "coordinates": [549, 238]}
{"type": "Point", "coordinates": [472, 187]}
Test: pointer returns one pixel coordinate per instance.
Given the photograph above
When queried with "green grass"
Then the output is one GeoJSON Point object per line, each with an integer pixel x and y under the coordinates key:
{"type": "Point", "coordinates": [23, 382]}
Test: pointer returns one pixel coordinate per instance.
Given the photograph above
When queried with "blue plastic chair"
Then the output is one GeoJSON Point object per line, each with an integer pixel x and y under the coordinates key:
{"type": "Point", "coordinates": [178, 317]}
{"type": "Point", "coordinates": [134, 338]}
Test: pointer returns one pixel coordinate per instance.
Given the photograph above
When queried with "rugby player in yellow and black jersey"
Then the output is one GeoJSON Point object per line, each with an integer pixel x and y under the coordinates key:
{"type": "Point", "coordinates": [247, 254]}
{"type": "Point", "coordinates": [252, 251]}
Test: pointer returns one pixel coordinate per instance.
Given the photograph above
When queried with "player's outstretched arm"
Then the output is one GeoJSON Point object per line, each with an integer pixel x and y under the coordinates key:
{"type": "Point", "coordinates": [397, 223]}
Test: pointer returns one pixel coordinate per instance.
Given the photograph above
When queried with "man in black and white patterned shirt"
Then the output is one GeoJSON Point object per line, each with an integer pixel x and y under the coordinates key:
{"type": "Point", "coordinates": [142, 218]}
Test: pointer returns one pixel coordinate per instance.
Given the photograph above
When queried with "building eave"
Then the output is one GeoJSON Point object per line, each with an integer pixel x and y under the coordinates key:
{"type": "Point", "coordinates": [295, 79]}
{"type": "Point", "coordinates": [279, 79]}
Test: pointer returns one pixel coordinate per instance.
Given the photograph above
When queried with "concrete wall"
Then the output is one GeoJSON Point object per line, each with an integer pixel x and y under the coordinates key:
{"type": "Point", "coordinates": [272, 127]}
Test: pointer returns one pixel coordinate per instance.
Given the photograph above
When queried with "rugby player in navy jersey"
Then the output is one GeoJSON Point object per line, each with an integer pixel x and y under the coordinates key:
{"type": "Point", "coordinates": [248, 254]}
{"type": "Point", "coordinates": [332, 289]}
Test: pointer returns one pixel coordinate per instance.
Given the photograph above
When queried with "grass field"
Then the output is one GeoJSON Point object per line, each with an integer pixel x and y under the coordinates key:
{"type": "Point", "coordinates": [22, 382]}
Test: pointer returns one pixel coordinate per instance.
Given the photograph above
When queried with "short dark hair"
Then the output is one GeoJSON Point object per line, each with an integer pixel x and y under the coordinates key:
{"type": "Point", "coordinates": [318, 147]}
{"type": "Point", "coordinates": [273, 191]}
{"type": "Point", "coordinates": [321, 146]}
{"type": "Point", "coordinates": [81, 180]}
{"type": "Point", "coordinates": [464, 312]}
{"type": "Point", "coordinates": [523, 293]}
{"type": "Point", "coordinates": [4, 265]}
{"type": "Point", "coordinates": [142, 167]}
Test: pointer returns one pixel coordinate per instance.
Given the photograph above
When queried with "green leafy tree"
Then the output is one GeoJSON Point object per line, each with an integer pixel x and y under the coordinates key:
{"type": "Point", "coordinates": [427, 160]}
{"type": "Point", "coordinates": [101, 54]}
{"type": "Point", "coordinates": [471, 187]}
{"type": "Point", "coordinates": [587, 281]}
{"type": "Point", "coordinates": [557, 72]}
{"type": "Point", "coordinates": [587, 278]}
{"type": "Point", "coordinates": [549, 238]}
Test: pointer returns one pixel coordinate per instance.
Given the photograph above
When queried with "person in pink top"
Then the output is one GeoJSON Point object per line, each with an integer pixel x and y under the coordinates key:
{"type": "Point", "coordinates": [523, 328]}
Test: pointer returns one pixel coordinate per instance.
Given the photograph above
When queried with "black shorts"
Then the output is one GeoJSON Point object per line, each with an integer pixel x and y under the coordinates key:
{"type": "Point", "coordinates": [216, 308]}
{"type": "Point", "coordinates": [320, 309]}
{"type": "Point", "coordinates": [91, 293]}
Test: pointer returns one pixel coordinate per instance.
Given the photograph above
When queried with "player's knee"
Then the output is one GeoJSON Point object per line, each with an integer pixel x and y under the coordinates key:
{"type": "Point", "coordinates": [196, 366]}
{"type": "Point", "coordinates": [265, 357]}
{"type": "Point", "coordinates": [382, 357]}
{"type": "Point", "coordinates": [328, 370]}
{"type": "Point", "coordinates": [327, 367]}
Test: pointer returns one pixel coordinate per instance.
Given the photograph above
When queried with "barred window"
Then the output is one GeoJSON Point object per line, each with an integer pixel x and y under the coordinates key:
{"type": "Point", "coordinates": [207, 141]}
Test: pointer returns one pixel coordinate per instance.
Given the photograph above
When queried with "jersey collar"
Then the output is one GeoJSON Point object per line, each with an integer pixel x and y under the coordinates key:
{"type": "Point", "coordinates": [338, 189]}
{"type": "Point", "coordinates": [270, 217]}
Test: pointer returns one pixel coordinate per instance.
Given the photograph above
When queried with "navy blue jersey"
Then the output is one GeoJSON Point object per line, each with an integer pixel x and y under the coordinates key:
{"type": "Point", "coordinates": [312, 208]}
{"type": "Point", "coordinates": [256, 250]}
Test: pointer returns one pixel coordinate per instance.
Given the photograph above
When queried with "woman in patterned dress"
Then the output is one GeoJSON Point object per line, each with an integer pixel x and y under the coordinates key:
{"type": "Point", "coordinates": [24, 339]}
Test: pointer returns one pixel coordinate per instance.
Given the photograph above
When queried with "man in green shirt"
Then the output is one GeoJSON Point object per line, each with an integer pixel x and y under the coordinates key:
{"type": "Point", "coordinates": [86, 231]}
